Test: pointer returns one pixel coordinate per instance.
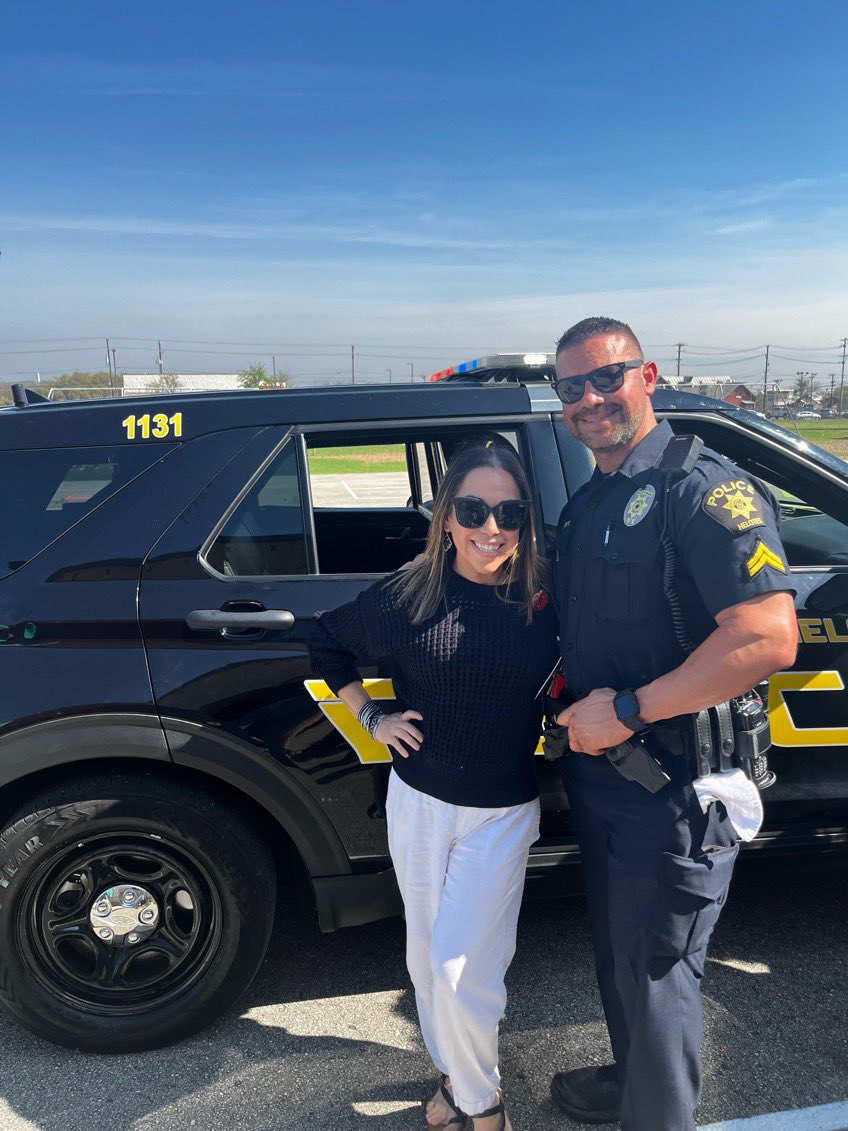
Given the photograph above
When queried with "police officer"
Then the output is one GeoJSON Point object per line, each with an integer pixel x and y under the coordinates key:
{"type": "Point", "coordinates": [657, 867]}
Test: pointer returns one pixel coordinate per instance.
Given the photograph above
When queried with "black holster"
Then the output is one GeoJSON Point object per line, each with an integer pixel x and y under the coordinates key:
{"type": "Point", "coordinates": [629, 758]}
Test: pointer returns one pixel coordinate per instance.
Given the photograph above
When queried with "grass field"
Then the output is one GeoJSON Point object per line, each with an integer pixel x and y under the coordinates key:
{"type": "Point", "coordinates": [347, 461]}
{"type": "Point", "coordinates": [830, 434]}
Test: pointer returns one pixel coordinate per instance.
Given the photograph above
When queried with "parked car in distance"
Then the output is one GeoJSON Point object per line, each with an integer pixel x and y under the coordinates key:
{"type": "Point", "coordinates": [808, 415]}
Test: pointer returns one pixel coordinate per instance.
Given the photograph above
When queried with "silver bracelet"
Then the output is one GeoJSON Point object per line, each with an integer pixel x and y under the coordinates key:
{"type": "Point", "coordinates": [370, 715]}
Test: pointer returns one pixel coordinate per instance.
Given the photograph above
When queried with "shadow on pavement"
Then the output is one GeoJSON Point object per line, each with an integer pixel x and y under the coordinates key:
{"type": "Point", "coordinates": [326, 1038]}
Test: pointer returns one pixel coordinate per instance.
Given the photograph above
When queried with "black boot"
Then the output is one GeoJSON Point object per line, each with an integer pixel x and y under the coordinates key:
{"type": "Point", "coordinates": [588, 1095]}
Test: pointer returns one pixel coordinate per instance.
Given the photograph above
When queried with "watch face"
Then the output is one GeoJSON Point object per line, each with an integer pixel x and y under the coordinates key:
{"type": "Point", "coordinates": [626, 704]}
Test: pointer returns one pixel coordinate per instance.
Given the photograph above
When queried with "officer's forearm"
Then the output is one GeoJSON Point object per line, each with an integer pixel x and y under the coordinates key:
{"type": "Point", "coordinates": [751, 641]}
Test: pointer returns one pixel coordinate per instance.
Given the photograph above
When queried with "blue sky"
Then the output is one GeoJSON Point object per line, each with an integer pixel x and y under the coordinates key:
{"type": "Point", "coordinates": [432, 180]}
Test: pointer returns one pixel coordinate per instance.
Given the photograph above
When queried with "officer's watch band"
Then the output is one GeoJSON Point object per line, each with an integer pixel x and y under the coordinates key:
{"type": "Point", "coordinates": [626, 707]}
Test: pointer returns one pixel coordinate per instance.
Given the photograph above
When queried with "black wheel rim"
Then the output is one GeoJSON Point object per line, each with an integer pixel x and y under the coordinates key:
{"type": "Point", "coordinates": [58, 943]}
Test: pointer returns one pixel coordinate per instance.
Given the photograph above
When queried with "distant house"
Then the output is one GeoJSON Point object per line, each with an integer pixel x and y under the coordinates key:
{"type": "Point", "coordinates": [144, 384]}
{"type": "Point", "coordinates": [706, 385]}
{"type": "Point", "coordinates": [742, 397]}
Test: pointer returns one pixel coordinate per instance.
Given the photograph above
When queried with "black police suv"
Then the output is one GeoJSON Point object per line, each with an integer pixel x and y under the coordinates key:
{"type": "Point", "coordinates": [166, 755]}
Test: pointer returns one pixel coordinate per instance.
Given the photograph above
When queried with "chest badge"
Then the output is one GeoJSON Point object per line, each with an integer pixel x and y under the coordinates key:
{"type": "Point", "coordinates": [638, 505]}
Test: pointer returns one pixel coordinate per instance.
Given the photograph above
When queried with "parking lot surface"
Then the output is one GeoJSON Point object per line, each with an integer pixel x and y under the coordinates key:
{"type": "Point", "coordinates": [326, 1038]}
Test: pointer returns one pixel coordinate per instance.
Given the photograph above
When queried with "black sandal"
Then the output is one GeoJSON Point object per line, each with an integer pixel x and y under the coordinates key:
{"type": "Point", "coordinates": [498, 1109]}
{"type": "Point", "coordinates": [459, 1118]}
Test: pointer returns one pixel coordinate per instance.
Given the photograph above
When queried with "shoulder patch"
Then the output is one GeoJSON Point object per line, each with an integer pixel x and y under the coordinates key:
{"type": "Point", "coordinates": [763, 556]}
{"type": "Point", "coordinates": [638, 505]}
{"type": "Point", "coordinates": [734, 504]}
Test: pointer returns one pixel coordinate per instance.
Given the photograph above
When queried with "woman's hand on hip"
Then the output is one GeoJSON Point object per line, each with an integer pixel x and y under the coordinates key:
{"type": "Point", "coordinates": [395, 730]}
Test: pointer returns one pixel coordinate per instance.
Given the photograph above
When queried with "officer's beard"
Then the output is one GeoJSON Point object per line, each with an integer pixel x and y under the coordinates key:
{"type": "Point", "coordinates": [621, 433]}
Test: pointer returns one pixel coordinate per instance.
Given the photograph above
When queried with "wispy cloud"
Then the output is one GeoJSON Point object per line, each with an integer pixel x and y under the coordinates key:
{"type": "Point", "coordinates": [146, 226]}
{"type": "Point", "coordinates": [754, 225]}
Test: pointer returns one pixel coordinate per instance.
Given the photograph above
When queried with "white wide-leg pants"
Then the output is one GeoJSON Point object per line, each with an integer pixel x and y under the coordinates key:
{"type": "Point", "coordinates": [461, 875]}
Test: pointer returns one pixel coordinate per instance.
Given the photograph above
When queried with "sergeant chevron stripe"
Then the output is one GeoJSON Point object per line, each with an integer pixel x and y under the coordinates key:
{"type": "Point", "coordinates": [763, 556]}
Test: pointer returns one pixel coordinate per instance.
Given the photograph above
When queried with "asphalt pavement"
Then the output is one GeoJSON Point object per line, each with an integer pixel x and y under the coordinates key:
{"type": "Point", "coordinates": [326, 1038]}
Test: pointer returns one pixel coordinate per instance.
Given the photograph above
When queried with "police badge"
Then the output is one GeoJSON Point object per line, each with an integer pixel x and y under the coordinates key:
{"type": "Point", "coordinates": [638, 505]}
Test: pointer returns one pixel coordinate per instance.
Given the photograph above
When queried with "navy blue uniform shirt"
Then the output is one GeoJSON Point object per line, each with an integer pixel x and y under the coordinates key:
{"type": "Point", "coordinates": [616, 625]}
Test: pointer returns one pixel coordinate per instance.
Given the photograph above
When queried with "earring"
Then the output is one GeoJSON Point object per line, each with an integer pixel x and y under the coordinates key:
{"type": "Point", "coordinates": [447, 541]}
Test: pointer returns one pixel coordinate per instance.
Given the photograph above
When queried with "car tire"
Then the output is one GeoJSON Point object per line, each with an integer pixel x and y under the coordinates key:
{"type": "Point", "coordinates": [84, 867]}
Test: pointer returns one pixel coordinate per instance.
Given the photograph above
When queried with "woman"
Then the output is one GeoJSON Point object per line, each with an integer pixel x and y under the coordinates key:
{"type": "Point", "coordinates": [468, 635]}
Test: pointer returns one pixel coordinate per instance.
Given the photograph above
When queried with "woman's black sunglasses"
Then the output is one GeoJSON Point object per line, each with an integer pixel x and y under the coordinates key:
{"type": "Point", "coordinates": [471, 512]}
{"type": "Point", "coordinates": [606, 379]}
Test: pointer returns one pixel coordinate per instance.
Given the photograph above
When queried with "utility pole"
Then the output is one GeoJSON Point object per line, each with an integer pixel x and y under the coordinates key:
{"type": "Point", "coordinates": [412, 371]}
{"type": "Point", "coordinates": [353, 365]}
{"type": "Point", "coordinates": [832, 382]}
{"type": "Point", "coordinates": [115, 368]}
{"type": "Point", "coordinates": [160, 361]}
{"type": "Point", "coordinates": [274, 365]}
{"type": "Point", "coordinates": [765, 381]}
{"type": "Point", "coordinates": [680, 346]}
{"type": "Point", "coordinates": [109, 356]}
{"type": "Point", "coordinates": [842, 380]}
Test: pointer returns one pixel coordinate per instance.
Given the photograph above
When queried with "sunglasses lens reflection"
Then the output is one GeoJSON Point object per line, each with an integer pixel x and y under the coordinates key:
{"type": "Point", "coordinates": [604, 380]}
{"type": "Point", "coordinates": [511, 514]}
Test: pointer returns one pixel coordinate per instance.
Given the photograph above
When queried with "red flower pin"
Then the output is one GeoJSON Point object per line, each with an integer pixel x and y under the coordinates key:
{"type": "Point", "coordinates": [540, 600]}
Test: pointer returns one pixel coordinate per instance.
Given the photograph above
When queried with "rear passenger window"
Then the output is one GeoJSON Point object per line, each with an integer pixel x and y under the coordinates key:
{"type": "Point", "coordinates": [46, 492]}
{"type": "Point", "coordinates": [263, 537]}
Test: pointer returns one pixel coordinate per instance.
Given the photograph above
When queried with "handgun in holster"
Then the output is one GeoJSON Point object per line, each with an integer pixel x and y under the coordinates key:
{"type": "Point", "coordinates": [630, 758]}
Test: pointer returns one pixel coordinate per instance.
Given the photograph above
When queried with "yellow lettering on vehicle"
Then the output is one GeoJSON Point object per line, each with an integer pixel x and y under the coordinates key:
{"type": "Point", "coordinates": [784, 731]}
{"type": "Point", "coordinates": [367, 750]}
{"type": "Point", "coordinates": [822, 630]}
{"type": "Point", "coordinates": [811, 630]}
{"type": "Point", "coordinates": [160, 426]}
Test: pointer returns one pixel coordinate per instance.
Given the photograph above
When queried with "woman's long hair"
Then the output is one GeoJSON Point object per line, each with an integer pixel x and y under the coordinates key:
{"type": "Point", "coordinates": [423, 584]}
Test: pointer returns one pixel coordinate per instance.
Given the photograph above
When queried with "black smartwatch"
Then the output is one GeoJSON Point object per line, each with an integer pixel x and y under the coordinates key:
{"type": "Point", "coordinates": [626, 707]}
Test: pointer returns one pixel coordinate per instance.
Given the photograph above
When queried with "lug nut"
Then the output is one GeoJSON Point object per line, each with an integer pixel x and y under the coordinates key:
{"type": "Point", "coordinates": [132, 937]}
{"type": "Point", "coordinates": [103, 907]}
{"type": "Point", "coordinates": [130, 895]}
{"type": "Point", "coordinates": [147, 915]}
{"type": "Point", "coordinates": [105, 932]}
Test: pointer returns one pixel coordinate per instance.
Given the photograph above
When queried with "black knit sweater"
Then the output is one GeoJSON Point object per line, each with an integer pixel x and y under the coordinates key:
{"type": "Point", "coordinates": [472, 669]}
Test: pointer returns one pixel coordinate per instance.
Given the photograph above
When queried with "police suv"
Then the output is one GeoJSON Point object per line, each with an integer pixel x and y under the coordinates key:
{"type": "Point", "coordinates": [166, 755]}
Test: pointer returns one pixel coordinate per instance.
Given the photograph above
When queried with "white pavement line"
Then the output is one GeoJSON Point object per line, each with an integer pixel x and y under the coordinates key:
{"type": "Point", "coordinates": [349, 490]}
{"type": "Point", "coordinates": [826, 1117]}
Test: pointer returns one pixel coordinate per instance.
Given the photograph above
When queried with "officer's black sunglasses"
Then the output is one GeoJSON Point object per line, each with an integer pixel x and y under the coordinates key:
{"type": "Point", "coordinates": [606, 379]}
{"type": "Point", "coordinates": [471, 512]}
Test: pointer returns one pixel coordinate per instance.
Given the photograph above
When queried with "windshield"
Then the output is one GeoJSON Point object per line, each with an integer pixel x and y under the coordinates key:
{"type": "Point", "coordinates": [790, 439]}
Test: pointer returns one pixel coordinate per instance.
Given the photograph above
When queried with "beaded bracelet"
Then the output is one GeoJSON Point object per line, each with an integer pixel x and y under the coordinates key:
{"type": "Point", "coordinates": [370, 715]}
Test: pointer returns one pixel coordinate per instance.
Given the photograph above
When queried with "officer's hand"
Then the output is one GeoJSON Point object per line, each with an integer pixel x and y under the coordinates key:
{"type": "Point", "coordinates": [395, 730]}
{"type": "Point", "coordinates": [592, 723]}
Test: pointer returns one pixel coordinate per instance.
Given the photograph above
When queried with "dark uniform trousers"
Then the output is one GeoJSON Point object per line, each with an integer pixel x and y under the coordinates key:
{"type": "Point", "coordinates": [657, 872]}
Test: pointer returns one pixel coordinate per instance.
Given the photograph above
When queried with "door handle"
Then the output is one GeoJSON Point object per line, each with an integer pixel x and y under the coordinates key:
{"type": "Point", "coordinates": [213, 620]}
